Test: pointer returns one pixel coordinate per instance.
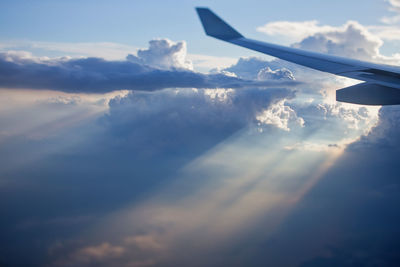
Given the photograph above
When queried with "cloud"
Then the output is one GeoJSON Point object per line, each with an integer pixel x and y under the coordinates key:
{"type": "Point", "coordinates": [385, 132]}
{"type": "Point", "coordinates": [163, 54]}
{"type": "Point", "coordinates": [248, 68]}
{"type": "Point", "coordinates": [102, 253]}
{"type": "Point", "coordinates": [295, 30]}
{"type": "Point", "coordinates": [224, 176]}
{"type": "Point", "coordinates": [96, 75]}
{"type": "Point", "coordinates": [106, 50]}
{"type": "Point", "coordinates": [144, 242]}
{"type": "Point", "coordinates": [394, 6]}
{"type": "Point", "coordinates": [340, 230]}
{"type": "Point", "coordinates": [386, 32]}
{"type": "Point", "coordinates": [170, 110]}
{"type": "Point", "coordinates": [140, 142]}
{"type": "Point", "coordinates": [315, 106]}
{"type": "Point", "coordinates": [143, 140]}
{"type": "Point", "coordinates": [281, 116]}
{"type": "Point", "coordinates": [279, 74]}
{"type": "Point", "coordinates": [206, 63]}
{"type": "Point", "coordinates": [350, 40]}
{"type": "Point", "coordinates": [240, 157]}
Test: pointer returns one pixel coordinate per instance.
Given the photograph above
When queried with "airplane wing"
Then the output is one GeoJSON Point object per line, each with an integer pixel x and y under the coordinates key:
{"type": "Point", "coordinates": [381, 84]}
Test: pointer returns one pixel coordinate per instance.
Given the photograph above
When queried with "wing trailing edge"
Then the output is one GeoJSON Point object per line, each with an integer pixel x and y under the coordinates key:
{"type": "Point", "coordinates": [369, 94]}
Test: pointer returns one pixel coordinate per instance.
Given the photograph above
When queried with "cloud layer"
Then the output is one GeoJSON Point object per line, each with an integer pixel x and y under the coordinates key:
{"type": "Point", "coordinates": [163, 65]}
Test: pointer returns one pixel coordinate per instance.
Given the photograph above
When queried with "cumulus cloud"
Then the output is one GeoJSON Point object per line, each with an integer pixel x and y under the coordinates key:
{"type": "Point", "coordinates": [279, 74]}
{"type": "Point", "coordinates": [248, 68]}
{"type": "Point", "coordinates": [280, 115]}
{"type": "Point", "coordinates": [352, 40]}
{"type": "Point", "coordinates": [163, 54]}
{"type": "Point", "coordinates": [386, 131]}
{"type": "Point", "coordinates": [189, 110]}
{"type": "Point", "coordinates": [314, 106]}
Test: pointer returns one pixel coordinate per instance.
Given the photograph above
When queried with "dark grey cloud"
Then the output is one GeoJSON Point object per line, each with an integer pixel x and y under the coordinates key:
{"type": "Point", "coordinates": [56, 187]}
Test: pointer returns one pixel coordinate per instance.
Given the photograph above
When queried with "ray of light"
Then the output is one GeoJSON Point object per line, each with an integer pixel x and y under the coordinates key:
{"type": "Point", "coordinates": [220, 197]}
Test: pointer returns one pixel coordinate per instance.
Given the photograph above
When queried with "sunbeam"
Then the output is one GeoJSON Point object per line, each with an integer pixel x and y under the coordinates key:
{"type": "Point", "coordinates": [248, 181]}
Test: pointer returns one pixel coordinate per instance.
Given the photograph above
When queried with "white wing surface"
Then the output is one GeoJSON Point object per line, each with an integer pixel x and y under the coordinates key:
{"type": "Point", "coordinates": [381, 84]}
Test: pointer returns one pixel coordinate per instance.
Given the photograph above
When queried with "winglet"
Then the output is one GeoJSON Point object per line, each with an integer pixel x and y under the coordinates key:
{"type": "Point", "coordinates": [215, 26]}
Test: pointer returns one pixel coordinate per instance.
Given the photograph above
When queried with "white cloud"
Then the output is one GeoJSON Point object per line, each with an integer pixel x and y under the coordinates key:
{"type": "Point", "coordinates": [315, 105]}
{"type": "Point", "coordinates": [163, 54]}
{"type": "Point", "coordinates": [177, 109]}
{"type": "Point", "coordinates": [351, 39]}
{"type": "Point", "coordinates": [108, 51]}
{"type": "Point", "coordinates": [281, 116]}
{"type": "Point", "coordinates": [294, 30]}
{"type": "Point", "coordinates": [386, 131]}
{"type": "Point", "coordinates": [279, 74]}
{"type": "Point", "coordinates": [385, 32]}
{"type": "Point", "coordinates": [390, 20]}
{"type": "Point", "coordinates": [394, 6]}
{"type": "Point", "coordinates": [206, 63]}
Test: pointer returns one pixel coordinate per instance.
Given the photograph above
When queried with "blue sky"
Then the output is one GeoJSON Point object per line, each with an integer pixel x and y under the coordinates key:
{"type": "Point", "coordinates": [136, 22]}
{"type": "Point", "coordinates": [130, 138]}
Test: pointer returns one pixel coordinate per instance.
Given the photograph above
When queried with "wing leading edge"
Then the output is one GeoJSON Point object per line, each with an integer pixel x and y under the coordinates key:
{"type": "Point", "coordinates": [382, 82]}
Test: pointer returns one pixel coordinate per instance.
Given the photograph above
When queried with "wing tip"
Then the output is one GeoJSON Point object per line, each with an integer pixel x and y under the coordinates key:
{"type": "Point", "coordinates": [214, 26]}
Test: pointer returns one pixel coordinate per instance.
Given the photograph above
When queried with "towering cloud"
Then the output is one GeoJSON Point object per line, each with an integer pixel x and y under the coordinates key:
{"type": "Point", "coordinates": [163, 54]}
